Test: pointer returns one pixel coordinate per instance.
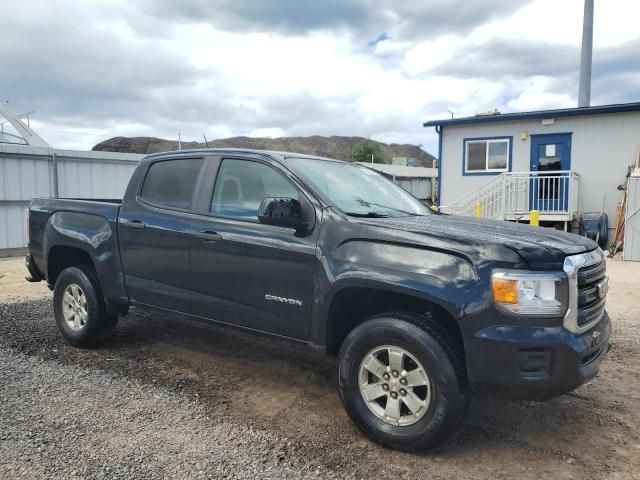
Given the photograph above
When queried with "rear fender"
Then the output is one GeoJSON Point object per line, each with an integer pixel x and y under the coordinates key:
{"type": "Point", "coordinates": [94, 235]}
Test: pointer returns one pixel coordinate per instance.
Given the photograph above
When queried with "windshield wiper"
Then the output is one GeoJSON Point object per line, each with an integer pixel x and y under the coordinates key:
{"type": "Point", "coordinates": [371, 214]}
{"type": "Point", "coordinates": [365, 203]}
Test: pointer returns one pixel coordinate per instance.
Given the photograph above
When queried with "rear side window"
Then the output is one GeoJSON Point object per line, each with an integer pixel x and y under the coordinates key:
{"type": "Point", "coordinates": [241, 186]}
{"type": "Point", "coordinates": [171, 183]}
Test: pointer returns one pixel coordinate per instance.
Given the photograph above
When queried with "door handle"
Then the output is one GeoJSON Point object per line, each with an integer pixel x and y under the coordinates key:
{"type": "Point", "coordinates": [209, 236]}
{"type": "Point", "coordinates": [137, 224]}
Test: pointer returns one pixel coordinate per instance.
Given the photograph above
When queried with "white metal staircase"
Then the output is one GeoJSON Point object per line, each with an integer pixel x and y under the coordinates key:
{"type": "Point", "coordinates": [512, 195]}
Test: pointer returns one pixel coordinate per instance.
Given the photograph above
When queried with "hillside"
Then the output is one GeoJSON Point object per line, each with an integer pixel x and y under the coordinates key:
{"type": "Point", "coordinates": [333, 147]}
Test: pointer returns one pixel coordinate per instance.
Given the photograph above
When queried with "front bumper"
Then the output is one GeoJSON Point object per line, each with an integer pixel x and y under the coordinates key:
{"type": "Point", "coordinates": [535, 362]}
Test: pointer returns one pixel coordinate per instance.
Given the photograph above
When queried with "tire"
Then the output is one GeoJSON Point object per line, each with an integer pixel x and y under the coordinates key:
{"type": "Point", "coordinates": [443, 395]}
{"type": "Point", "coordinates": [91, 325]}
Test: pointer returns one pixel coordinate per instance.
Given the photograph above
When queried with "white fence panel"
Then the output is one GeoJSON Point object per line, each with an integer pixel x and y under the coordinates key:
{"type": "Point", "coordinates": [418, 187]}
{"type": "Point", "coordinates": [91, 179]}
{"type": "Point", "coordinates": [632, 221]}
{"type": "Point", "coordinates": [28, 172]}
{"type": "Point", "coordinates": [23, 178]}
{"type": "Point", "coordinates": [12, 224]}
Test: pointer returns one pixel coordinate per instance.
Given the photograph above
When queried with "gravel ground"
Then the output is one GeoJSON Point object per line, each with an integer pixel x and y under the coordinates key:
{"type": "Point", "coordinates": [73, 422]}
{"type": "Point", "coordinates": [164, 397]}
{"type": "Point", "coordinates": [122, 412]}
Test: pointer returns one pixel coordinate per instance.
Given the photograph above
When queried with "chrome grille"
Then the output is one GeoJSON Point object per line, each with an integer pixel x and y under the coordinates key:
{"type": "Point", "coordinates": [591, 312]}
{"type": "Point", "coordinates": [592, 273]}
{"type": "Point", "coordinates": [588, 283]}
{"type": "Point", "coordinates": [590, 304]}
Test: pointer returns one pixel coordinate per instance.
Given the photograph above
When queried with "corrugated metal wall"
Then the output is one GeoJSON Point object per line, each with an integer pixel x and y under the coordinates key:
{"type": "Point", "coordinates": [28, 172]}
{"type": "Point", "coordinates": [418, 187]}
{"type": "Point", "coordinates": [632, 221]}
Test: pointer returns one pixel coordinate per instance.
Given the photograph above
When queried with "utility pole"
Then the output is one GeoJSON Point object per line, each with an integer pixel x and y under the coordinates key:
{"type": "Point", "coordinates": [179, 142]}
{"type": "Point", "coordinates": [586, 54]}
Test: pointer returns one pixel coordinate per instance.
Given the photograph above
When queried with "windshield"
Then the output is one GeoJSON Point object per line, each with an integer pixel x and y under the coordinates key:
{"type": "Point", "coordinates": [357, 190]}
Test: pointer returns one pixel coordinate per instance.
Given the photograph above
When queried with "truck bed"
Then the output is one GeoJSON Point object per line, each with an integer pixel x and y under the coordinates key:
{"type": "Point", "coordinates": [88, 224]}
{"type": "Point", "coordinates": [107, 208]}
{"type": "Point", "coordinates": [100, 200]}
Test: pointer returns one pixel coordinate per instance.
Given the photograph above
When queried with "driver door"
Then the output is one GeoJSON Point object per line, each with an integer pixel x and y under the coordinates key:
{"type": "Point", "coordinates": [246, 273]}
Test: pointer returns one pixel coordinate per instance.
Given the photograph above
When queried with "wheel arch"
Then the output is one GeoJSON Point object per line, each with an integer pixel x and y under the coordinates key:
{"type": "Point", "coordinates": [352, 305]}
{"type": "Point", "coordinates": [60, 257]}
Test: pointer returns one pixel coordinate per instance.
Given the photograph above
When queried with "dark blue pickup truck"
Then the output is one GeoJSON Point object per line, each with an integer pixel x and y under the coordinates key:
{"type": "Point", "coordinates": [421, 308]}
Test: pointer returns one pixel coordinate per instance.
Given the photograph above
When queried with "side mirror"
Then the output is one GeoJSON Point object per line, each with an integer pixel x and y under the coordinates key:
{"type": "Point", "coordinates": [281, 212]}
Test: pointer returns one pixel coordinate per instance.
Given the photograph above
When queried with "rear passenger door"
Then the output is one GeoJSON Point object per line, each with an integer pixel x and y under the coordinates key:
{"type": "Point", "coordinates": [154, 231]}
{"type": "Point", "coordinates": [246, 273]}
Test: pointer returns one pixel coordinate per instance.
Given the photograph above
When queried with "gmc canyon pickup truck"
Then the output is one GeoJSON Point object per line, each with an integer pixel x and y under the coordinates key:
{"type": "Point", "coordinates": [420, 308]}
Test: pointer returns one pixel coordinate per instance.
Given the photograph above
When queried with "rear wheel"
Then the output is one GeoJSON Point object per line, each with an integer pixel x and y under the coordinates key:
{"type": "Point", "coordinates": [402, 382]}
{"type": "Point", "coordinates": [79, 308]}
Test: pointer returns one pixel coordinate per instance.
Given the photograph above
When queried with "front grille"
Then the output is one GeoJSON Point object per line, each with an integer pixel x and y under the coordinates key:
{"type": "Point", "coordinates": [592, 274]}
{"type": "Point", "coordinates": [590, 304]}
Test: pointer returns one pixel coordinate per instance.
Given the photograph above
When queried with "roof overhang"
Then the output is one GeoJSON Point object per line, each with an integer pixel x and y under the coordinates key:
{"type": "Point", "coordinates": [540, 114]}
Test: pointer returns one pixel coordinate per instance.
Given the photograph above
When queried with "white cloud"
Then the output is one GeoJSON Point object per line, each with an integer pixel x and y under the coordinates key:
{"type": "Point", "coordinates": [429, 54]}
{"type": "Point", "coordinates": [93, 70]}
{"type": "Point", "coordinates": [536, 96]}
{"type": "Point", "coordinates": [549, 21]}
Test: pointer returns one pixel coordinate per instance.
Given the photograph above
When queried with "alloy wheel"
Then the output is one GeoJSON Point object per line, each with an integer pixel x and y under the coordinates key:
{"type": "Point", "coordinates": [394, 385]}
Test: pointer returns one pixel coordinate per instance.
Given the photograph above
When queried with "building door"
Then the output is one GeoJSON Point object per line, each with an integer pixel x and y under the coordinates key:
{"type": "Point", "coordinates": [550, 165]}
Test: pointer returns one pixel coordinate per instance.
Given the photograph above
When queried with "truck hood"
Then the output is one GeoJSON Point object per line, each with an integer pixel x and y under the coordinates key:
{"type": "Point", "coordinates": [541, 248]}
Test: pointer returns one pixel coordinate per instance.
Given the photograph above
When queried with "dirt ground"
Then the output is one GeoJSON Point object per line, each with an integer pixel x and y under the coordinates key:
{"type": "Point", "coordinates": [289, 394]}
{"type": "Point", "coordinates": [13, 287]}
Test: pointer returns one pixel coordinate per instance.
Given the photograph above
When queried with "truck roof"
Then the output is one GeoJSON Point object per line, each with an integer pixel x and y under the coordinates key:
{"type": "Point", "coordinates": [277, 155]}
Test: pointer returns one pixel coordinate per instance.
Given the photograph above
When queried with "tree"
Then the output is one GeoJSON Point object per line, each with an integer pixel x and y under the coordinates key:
{"type": "Point", "coordinates": [362, 152]}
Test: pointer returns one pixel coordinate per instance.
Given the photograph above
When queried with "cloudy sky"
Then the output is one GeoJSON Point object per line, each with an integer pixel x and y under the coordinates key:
{"type": "Point", "coordinates": [96, 69]}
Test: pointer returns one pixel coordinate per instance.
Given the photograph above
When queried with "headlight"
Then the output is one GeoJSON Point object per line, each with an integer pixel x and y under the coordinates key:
{"type": "Point", "coordinates": [541, 294]}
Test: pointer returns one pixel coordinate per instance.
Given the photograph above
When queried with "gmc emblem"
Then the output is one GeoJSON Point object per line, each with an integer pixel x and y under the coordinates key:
{"type": "Point", "coordinates": [603, 287]}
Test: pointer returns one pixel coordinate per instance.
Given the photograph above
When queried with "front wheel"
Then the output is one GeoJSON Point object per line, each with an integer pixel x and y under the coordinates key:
{"type": "Point", "coordinates": [402, 382]}
{"type": "Point", "coordinates": [79, 308]}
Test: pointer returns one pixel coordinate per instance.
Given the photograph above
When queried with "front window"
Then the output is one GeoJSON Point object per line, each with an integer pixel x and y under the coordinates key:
{"type": "Point", "coordinates": [357, 190]}
{"type": "Point", "coordinates": [242, 185]}
{"type": "Point", "coordinates": [486, 155]}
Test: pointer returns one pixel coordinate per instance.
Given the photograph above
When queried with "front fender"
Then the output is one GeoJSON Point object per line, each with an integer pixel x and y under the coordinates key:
{"type": "Point", "coordinates": [443, 278]}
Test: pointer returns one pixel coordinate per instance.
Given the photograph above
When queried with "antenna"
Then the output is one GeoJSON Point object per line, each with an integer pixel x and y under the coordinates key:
{"type": "Point", "coordinates": [179, 142]}
{"type": "Point", "coordinates": [205, 140]}
{"type": "Point", "coordinates": [452, 111]}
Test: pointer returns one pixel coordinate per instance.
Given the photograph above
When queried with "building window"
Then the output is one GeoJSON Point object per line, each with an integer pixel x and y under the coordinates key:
{"type": "Point", "coordinates": [486, 155]}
